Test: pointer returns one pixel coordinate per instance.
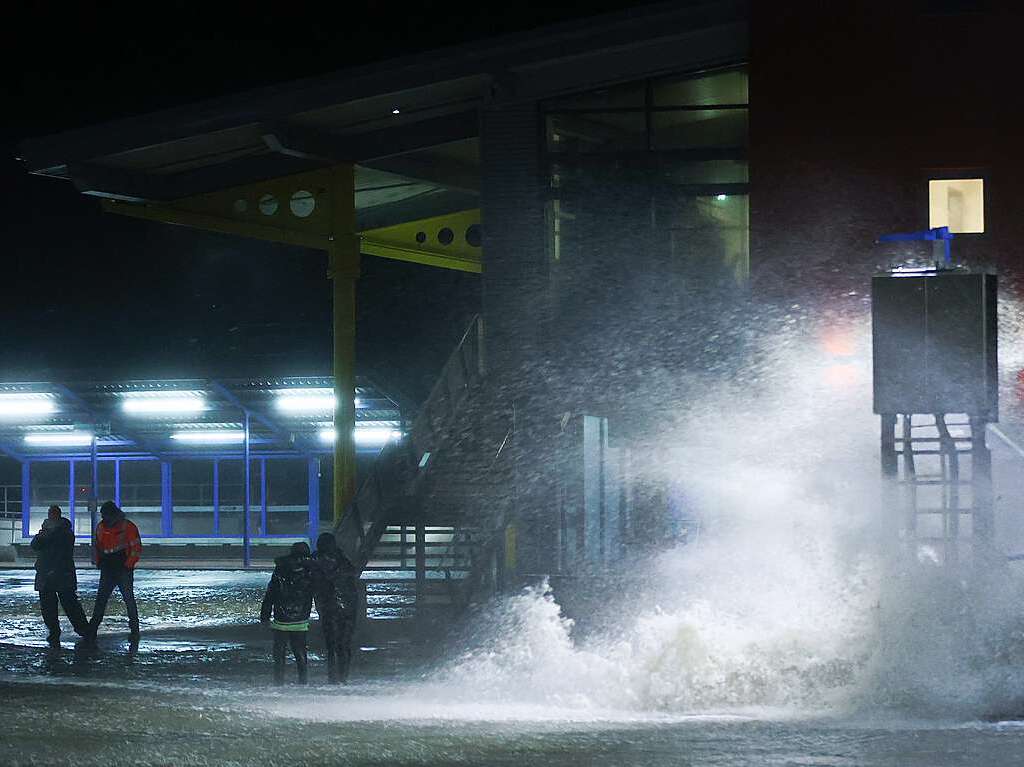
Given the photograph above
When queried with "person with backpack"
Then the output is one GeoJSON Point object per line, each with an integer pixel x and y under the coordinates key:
{"type": "Point", "coordinates": [286, 608]}
{"type": "Point", "coordinates": [56, 579]}
{"type": "Point", "coordinates": [337, 597]}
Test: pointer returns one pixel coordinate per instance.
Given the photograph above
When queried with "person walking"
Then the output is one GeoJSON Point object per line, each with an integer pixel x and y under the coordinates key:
{"type": "Point", "coordinates": [117, 547]}
{"type": "Point", "coordinates": [56, 579]}
{"type": "Point", "coordinates": [337, 596]}
{"type": "Point", "coordinates": [286, 608]}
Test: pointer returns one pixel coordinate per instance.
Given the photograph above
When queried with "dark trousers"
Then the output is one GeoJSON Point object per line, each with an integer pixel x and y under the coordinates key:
{"type": "Point", "coordinates": [123, 580]}
{"type": "Point", "coordinates": [297, 640]}
{"type": "Point", "coordinates": [72, 608]}
{"type": "Point", "coordinates": [338, 640]}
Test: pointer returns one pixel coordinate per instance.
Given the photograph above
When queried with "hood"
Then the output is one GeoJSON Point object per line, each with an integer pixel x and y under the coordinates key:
{"type": "Point", "coordinates": [290, 561]}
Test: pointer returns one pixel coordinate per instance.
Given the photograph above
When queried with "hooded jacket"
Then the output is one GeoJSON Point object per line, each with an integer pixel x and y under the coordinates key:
{"type": "Point", "coordinates": [337, 584]}
{"type": "Point", "coordinates": [55, 557]}
{"type": "Point", "coordinates": [289, 598]}
{"type": "Point", "coordinates": [117, 543]}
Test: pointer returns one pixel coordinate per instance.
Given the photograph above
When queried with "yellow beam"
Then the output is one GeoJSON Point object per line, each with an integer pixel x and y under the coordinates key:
{"type": "Point", "coordinates": [450, 242]}
{"type": "Point", "coordinates": [168, 215]}
{"type": "Point", "coordinates": [416, 256]}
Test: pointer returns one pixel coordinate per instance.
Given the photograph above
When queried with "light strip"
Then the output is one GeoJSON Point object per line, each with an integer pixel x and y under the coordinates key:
{"type": "Point", "coordinates": [306, 402]}
{"type": "Point", "coordinates": [161, 405]}
{"type": "Point", "coordinates": [210, 436]}
{"type": "Point", "coordinates": [59, 438]}
{"type": "Point", "coordinates": [17, 405]}
{"type": "Point", "coordinates": [370, 436]}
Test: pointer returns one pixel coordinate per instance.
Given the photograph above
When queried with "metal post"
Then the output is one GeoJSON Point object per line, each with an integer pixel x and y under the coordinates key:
{"type": "Point", "coordinates": [246, 542]}
{"type": "Point", "coordinates": [166, 502]}
{"type": "Point", "coordinates": [421, 569]}
{"type": "Point", "coordinates": [313, 499]}
{"type": "Point", "coordinates": [263, 496]}
{"type": "Point", "coordinates": [344, 271]}
{"type": "Point", "coordinates": [95, 494]}
{"type": "Point", "coordinates": [26, 498]}
{"type": "Point", "coordinates": [983, 523]}
{"type": "Point", "coordinates": [216, 497]}
{"type": "Point", "coordinates": [71, 494]}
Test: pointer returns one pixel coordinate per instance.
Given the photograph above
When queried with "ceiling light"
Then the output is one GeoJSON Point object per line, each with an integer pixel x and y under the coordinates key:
{"type": "Point", "coordinates": [210, 436]}
{"type": "Point", "coordinates": [365, 436]}
{"type": "Point", "coordinates": [19, 405]}
{"type": "Point", "coordinates": [299, 401]}
{"type": "Point", "coordinates": [160, 403]}
{"type": "Point", "coordinates": [59, 438]}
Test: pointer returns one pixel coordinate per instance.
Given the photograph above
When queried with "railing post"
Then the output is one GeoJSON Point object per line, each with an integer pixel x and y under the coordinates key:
{"type": "Point", "coordinates": [26, 497]}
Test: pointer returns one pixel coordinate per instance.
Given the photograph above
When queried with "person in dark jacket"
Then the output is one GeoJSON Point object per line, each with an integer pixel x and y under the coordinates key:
{"type": "Point", "coordinates": [337, 594]}
{"type": "Point", "coordinates": [117, 548]}
{"type": "Point", "coordinates": [56, 579]}
{"type": "Point", "coordinates": [286, 608]}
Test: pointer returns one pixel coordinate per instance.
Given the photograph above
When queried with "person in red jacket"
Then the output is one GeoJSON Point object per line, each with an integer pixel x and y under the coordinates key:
{"type": "Point", "coordinates": [117, 547]}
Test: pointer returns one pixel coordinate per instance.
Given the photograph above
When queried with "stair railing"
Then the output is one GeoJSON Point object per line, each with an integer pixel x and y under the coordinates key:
{"type": "Point", "coordinates": [398, 473]}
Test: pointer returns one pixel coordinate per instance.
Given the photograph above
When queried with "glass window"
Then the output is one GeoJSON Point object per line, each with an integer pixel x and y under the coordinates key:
{"type": "Point", "coordinates": [629, 95]}
{"type": "Point", "coordinates": [958, 203]}
{"type": "Point", "coordinates": [287, 497]}
{"type": "Point", "coordinates": [140, 495]}
{"type": "Point", "coordinates": [702, 90]}
{"type": "Point", "coordinates": [232, 497]}
{"type": "Point", "coordinates": [49, 485]}
{"type": "Point", "coordinates": [192, 495]}
{"type": "Point", "coordinates": [700, 128]}
{"type": "Point", "coordinates": [583, 133]}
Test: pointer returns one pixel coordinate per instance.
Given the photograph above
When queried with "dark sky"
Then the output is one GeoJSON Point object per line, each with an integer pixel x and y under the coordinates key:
{"type": "Point", "coordinates": [88, 295]}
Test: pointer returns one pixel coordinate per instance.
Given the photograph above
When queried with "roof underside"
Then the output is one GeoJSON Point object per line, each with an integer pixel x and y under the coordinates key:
{"type": "Point", "coordinates": [422, 160]}
{"type": "Point", "coordinates": [147, 418]}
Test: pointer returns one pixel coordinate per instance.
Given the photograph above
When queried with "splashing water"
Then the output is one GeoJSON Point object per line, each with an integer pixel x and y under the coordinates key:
{"type": "Point", "coordinates": [798, 598]}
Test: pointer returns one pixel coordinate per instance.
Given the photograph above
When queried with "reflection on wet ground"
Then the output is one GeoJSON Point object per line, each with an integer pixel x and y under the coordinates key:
{"type": "Point", "coordinates": [195, 691]}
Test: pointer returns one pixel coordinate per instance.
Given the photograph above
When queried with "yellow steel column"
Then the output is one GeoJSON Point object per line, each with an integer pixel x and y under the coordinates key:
{"type": "Point", "coordinates": [344, 270]}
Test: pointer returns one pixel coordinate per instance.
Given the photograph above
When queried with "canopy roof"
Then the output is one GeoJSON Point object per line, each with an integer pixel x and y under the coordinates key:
{"type": "Point", "coordinates": [179, 418]}
{"type": "Point", "coordinates": [410, 124]}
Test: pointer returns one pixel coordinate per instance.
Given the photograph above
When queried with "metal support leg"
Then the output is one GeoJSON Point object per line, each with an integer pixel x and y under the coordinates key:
{"type": "Point", "coordinates": [166, 501]}
{"type": "Point", "coordinates": [981, 479]}
{"type": "Point", "coordinates": [344, 271]}
{"type": "Point", "coordinates": [94, 495]}
{"type": "Point", "coordinates": [314, 500]}
{"type": "Point", "coordinates": [71, 494]}
{"type": "Point", "coordinates": [216, 497]}
{"type": "Point", "coordinates": [246, 522]}
{"type": "Point", "coordinates": [26, 498]}
{"type": "Point", "coordinates": [421, 569]}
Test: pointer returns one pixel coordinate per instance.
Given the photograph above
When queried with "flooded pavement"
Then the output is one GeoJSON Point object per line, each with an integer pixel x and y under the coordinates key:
{"type": "Point", "coordinates": [195, 691]}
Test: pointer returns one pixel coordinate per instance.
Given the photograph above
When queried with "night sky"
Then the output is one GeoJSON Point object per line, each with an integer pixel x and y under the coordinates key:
{"type": "Point", "coordinates": [92, 296]}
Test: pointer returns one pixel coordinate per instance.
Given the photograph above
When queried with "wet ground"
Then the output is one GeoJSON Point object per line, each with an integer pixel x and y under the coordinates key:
{"type": "Point", "coordinates": [195, 691]}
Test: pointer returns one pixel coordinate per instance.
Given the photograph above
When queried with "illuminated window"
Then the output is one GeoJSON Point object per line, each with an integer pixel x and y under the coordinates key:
{"type": "Point", "coordinates": [958, 203]}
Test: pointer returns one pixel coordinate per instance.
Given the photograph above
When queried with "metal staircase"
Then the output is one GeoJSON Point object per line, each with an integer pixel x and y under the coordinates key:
{"type": "Point", "coordinates": [424, 523]}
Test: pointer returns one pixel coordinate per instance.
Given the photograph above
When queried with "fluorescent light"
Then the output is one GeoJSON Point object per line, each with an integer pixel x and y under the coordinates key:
{"type": "Point", "coordinates": [17, 405]}
{"type": "Point", "coordinates": [721, 197]}
{"type": "Point", "coordinates": [210, 436]}
{"type": "Point", "coordinates": [59, 438]}
{"type": "Point", "coordinates": [365, 436]}
{"type": "Point", "coordinates": [158, 403]}
{"type": "Point", "coordinates": [300, 401]}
